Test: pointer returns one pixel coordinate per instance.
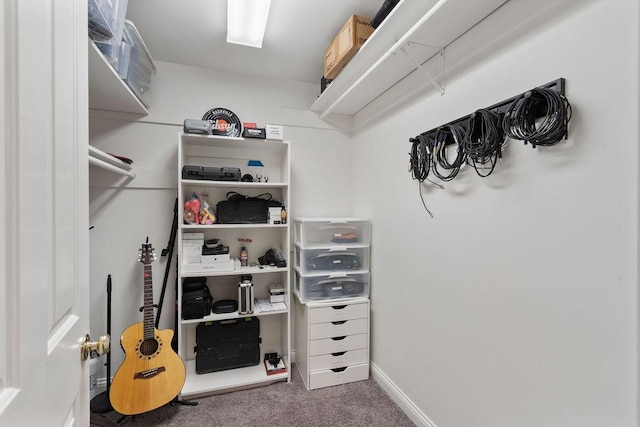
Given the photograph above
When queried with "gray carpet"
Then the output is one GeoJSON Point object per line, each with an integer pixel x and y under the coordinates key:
{"type": "Point", "coordinates": [361, 403]}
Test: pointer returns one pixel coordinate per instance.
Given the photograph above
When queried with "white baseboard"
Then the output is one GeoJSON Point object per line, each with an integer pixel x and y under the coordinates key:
{"type": "Point", "coordinates": [399, 398]}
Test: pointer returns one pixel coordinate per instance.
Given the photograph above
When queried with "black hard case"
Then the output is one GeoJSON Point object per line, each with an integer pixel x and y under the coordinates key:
{"type": "Point", "coordinates": [227, 344]}
{"type": "Point", "coordinates": [207, 173]}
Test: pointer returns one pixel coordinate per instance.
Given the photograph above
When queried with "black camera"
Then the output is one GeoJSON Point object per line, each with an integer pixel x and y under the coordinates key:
{"type": "Point", "coordinates": [273, 257]}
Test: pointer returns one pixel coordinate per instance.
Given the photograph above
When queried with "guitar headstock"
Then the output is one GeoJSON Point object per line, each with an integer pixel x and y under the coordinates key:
{"type": "Point", "coordinates": [146, 254]}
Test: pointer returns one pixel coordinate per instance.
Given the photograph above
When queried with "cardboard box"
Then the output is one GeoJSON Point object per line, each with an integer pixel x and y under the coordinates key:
{"type": "Point", "coordinates": [352, 35]}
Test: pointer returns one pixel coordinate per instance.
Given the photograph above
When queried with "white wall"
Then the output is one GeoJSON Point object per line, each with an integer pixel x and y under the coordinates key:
{"type": "Point", "coordinates": [124, 212]}
{"type": "Point", "coordinates": [516, 305]}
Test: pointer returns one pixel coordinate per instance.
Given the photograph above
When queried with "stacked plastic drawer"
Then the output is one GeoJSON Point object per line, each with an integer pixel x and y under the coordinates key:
{"type": "Point", "coordinates": [331, 258]}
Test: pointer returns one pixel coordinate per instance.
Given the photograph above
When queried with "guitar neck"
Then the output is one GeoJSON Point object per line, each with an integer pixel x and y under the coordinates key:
{"type": "Point", "coordinates": [149, 323]}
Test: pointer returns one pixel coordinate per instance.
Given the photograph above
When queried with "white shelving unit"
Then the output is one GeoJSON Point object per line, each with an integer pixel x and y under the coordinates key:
{"type": "Point", "coordinates": [414, 32]}
{"type": "Point", "coordinates": [275, 329]}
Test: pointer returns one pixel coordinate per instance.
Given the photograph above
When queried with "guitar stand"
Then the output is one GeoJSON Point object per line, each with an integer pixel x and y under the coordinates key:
{"type": "Point", "coordinates": [183, 402]}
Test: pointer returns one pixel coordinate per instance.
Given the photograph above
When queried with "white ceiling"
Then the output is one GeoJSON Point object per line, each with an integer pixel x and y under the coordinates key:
{"type": "Point", "coordinates": [193, 32]}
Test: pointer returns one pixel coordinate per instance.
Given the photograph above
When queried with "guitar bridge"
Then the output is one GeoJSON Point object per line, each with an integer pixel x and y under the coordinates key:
{"type": "Point", "coordinates": [150, 373]}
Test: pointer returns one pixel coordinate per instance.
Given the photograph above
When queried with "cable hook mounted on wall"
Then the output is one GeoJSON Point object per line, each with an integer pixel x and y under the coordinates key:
{"type": "Point", "coordinates": [539, 116]}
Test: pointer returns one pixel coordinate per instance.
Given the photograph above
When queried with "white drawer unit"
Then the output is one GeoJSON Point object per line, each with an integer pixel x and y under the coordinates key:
{"type": "Point", "coordinates": [332, 342]}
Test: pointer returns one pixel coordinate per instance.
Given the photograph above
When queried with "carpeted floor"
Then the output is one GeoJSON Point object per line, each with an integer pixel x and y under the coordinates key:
{"type": "Point", "coordinates": [361, 403]}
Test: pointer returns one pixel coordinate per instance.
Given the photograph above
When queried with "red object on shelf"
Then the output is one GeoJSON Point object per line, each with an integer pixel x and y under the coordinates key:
{"type": "Point", "coordinates": [271, 370]}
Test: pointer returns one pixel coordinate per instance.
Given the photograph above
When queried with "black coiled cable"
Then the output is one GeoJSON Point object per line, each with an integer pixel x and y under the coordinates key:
{"type": "Point", "coordinates": [447, 135]}
{"type": "Point", "coordinates": [519, 121]}
{"type": "Point", "coordinates": [420, 158]}
{"type": "Point", "coordinates": [483, 141]}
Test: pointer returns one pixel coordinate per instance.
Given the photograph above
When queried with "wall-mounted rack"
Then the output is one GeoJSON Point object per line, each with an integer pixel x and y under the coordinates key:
{"type": "Point", "coordinates": [501, 107]}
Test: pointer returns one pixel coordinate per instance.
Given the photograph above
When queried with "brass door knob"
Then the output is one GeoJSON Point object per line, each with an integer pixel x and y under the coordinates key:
{"type": "Point", "coordinates": [101, 346]}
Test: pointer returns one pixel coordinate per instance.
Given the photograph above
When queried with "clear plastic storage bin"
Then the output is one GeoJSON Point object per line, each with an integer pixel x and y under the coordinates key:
{"type": "Point", "coordinates": [117, 55]}
{"type": "Point", "coordinates": [310, 232]}
{"type": "Point", "coordinates": [106, 20]}
{"type": "Point", "coordinates": [333, 286]}
{"type": "Point", "coordinates": [333, 259]}
{"type": "Point", "coordinates": [141, 66]}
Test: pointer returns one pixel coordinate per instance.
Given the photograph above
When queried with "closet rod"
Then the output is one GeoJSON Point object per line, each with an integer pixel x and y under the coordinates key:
{"type": "Point", "coordinates": [104, 165]}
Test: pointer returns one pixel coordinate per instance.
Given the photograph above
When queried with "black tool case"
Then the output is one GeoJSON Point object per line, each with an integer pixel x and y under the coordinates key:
{"type": "Point", "coordinates": [227, 344]}
{"type": "Point", "coordinates": [208, 173]}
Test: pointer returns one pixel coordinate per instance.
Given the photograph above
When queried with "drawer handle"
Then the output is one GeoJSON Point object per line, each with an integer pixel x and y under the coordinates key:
{"type": "Point", "coordinates": [341, 353]}
{"type": "Point", "coordinates": [339, 369]}
{"type": "Point", "coordinates": [338, 307]}
{"type": "Point", "coordinates": [338, 338]}
{"type": "Point", "coordinates": [339, 322]}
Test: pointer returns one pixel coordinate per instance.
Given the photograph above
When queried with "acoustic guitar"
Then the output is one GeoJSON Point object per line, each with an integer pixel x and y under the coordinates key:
{"type": "Point", "coordinates": [152, 374]}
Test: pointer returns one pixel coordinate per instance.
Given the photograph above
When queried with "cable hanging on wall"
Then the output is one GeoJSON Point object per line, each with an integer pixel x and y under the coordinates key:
{"type": "Point", "coordinates": [539, 116]}
{"type": "Point", "coordinates": [519, 121]}
{"type": "Point", "coordinates": [420, 164]}
{"type": "Point", "coordinates": [445, 136]}
{"type": "Point", "coordinates": [483, 141]}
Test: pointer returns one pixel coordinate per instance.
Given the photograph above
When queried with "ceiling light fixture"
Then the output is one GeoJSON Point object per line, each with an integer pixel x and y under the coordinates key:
{"type": "Point", "coordinates": [247, 21]}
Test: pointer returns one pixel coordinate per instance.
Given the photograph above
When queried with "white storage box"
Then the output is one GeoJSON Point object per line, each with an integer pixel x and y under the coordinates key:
{"type": "Point", "coordinates": [333, 286]}
{"type": "Point", "coordinates": [276, 293]}
{"type": "Point", "coordinates": [206, 268]}
{"type": "Point", "coordinates": [106, 20]}
{"type": "Point", "coordinates": [141, 66]}
{"type": "Point", "coordinates": [207, 259]}
{"type": "Point", "coordinates": [335, 258]}
{"type": "Point", "coordinates": [192, 248]}
{"type": "Point", "coordinates": [310, 232]}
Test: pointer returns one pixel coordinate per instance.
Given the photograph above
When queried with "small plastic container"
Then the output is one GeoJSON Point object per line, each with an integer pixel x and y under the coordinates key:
{"type": "Point", "coordinates": [106, 20]}
{"type": "Point", "coordinates": [141, 67]}
{"type": "Point", "coordinates": [117, 55]}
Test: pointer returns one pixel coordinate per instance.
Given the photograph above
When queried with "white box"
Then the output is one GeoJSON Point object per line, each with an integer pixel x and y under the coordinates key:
{"type": "Point", "coordinates": [276, 293]}
{"type": "Point", "coordinates": [204, 268]}
{"type": "Point", "coordinates": [192, 248]}
{"type": "Point", "coordinates": [274, 131]}
{"type": "Point", "coordinates": [193, 236]}
{"type": "Point", "coordinates": [191, 254]}
{"type": "Point", "coordinates": [210, 259]}
{"type": "Point", "coordinates": [275, 215]}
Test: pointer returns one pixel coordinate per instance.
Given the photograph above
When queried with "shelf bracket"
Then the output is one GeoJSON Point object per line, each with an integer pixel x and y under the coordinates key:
{"type": "Point", "coordinates": [438, 85]}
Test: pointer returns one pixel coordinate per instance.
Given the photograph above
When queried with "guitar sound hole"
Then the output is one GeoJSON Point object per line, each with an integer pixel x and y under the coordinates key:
{"type": "Point", "coordinates": [149, 347]}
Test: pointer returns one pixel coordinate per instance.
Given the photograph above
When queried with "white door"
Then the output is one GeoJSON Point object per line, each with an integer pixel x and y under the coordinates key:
{"type": "Point", "coordinates": [43, 213]}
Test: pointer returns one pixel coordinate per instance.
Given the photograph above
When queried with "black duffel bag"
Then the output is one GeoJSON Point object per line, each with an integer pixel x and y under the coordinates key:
{"type": "Point", "coordinates": [197, 300]}
{"type": "Point", "coordinates": [241, 209]}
